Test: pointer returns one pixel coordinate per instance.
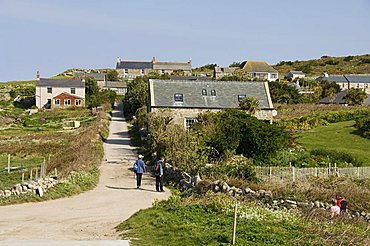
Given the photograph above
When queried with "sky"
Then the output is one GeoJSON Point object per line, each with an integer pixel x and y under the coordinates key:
{"type": "Point", "coordinates": [54, 35]}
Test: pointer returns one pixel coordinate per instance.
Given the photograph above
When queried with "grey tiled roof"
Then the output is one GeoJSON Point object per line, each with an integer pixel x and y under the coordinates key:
{"type": "Point", "coordinates": [340, 98]}
{"type": "Point", "coordinates": [115, 84]}
{"type": "Point", "coordinates": [134, 65]}
{"type": "Point", "coordinates": [202, 78]}
{"type": "Point", "coordinates": [227, 92]}
{"type": "Point", "coordinates": [353, 78]}
{"type": "Point", "coordinates": [96, 76]}
{"type": "Point", "coordinates": [76, 83]}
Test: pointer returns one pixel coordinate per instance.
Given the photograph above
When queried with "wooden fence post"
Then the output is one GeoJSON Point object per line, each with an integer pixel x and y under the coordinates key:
{"type": "Point", "coordinates": [8, 163]}
{"type": "Point", "coordinates": [270, 172]}
{"type": "Point", "coordinates": [293, 172]}
{"type": "Point", "coordinates": [358, 172]}
{"type": "Point", "coordinates": [22, 177]}
{"type": "Point", "coordinates": [234, 228]}
{"type": "Point", "coordinates": [31, 175]}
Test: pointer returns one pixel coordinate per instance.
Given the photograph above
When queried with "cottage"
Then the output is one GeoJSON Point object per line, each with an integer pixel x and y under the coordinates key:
{"type": "Point", "coordinates": [348, 81]}
{"type": "Point", "coordinates": [186, 99]}
{"type": "Point", "coordinates": [120, 87]}
{"type": "Point", "coordinates": [220, 72]}
{"type": "Point", "coordinates": [292, 75]}
{"type": "Point", "coordinates": [53, 93]}
{"type": "Point", "coordinates": [260, 70]}
{"type": "Point", "coordinates": [99, 77]}
{"type": "Point", "coordinates": [131, 69]}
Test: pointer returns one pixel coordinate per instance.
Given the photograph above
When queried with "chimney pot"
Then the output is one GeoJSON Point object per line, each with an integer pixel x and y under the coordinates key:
{"type": "Point", "coordinates": [38, 75]}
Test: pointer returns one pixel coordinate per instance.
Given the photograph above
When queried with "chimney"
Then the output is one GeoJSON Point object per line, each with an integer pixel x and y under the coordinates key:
{"type": "Point", "coordinates": [326, 75]}
{"type": "Point", "coordinates": [118, 59]}
{"type": "Point", "coordinates": [189, 60]}
{"type": "Point", "coordinates": [37, 75]}
{"type": "Point", "coordinates": [153, 60]}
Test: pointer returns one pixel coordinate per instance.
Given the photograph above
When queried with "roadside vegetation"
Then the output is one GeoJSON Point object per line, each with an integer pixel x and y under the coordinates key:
{"type": "Point", "coordinates": [46, 137]}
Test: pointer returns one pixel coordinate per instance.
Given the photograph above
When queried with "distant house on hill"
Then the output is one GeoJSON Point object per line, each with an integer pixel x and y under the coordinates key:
{"type": "Point", "coordinates": [260, 70]}
{"type": "Point", "coordinates": [99, 77]}
{"type": "Point", "coordinates": [340, 99]}
{"type": "Point", "coordinates": [120, 87]}
{"type": "Point", "coordinates": [186, 99]}
{"type": "Point", "coordinates": [291, 75]}
{"type": "Point", "coordinates": [349, 81]}
{"type": "Point", "coordinates": [57, 93]}
{"type": "Point", "coordinates": [255, 69]}
{"type": "Point", "coordinates": [220, 72]}
{"type": "Point", "coordinates": [131, 69]}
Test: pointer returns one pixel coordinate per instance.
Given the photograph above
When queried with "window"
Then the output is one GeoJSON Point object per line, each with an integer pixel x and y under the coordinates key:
{"type": "Point", "coordinates": [49, 102]}
{"type": "Point", "coordinates": [213, 92]}
{"type": "Point", "coordinates": [189, 122]}
{"type": "Point", "coordinates": [56, 101]}
{"type": "Point", "coordinates": [204, 92]}
{"type": "Point", "coordinates": [126, 71]}
{"type": "Point", "coordinates": [241, 97]}
{"type": "Point", "coordinates": [358, 85]}
{"type": "Point", "coordinates": [73, 90]}
{"type": "Point", "coordinates": [50, 90]}
{"type": "Point", "coordinates": [273, 75]}
{"type": "Point", "coordinates": [78, 102]}
{"type": "Point", "coordinates": [67, 101]}
{"type": "Point", "coordinates": [366, 85]}
{"type": "Point", "coordinates": [162, 71]}
{"type": "Point", "coordinates": [142, 71]}
{"type": "Point", "coordinates": [179, 97]}
{"type": "Point", "coordinates": [343, 85]}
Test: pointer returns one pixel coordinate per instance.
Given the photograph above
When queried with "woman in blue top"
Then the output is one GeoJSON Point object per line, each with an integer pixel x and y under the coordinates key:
{"type": "Point", "coordinates": [139, 169]}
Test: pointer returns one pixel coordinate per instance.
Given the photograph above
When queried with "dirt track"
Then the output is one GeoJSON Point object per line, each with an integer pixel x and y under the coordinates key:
{"type": "Point", "coordinates": [91, 215]}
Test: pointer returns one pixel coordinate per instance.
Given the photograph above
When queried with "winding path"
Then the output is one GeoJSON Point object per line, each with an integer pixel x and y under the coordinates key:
{"type": "Point", "coordinates": [88, 218]}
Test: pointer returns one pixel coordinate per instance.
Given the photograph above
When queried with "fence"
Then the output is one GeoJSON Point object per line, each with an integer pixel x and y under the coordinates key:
{"type": "Point", "coordinates": [27, 171]}
{"type": "Point", "coordinates": [292, 174]}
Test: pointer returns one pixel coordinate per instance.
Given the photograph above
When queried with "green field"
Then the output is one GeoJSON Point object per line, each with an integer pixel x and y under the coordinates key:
{"type": "Point", "coordinates": [341, 136]}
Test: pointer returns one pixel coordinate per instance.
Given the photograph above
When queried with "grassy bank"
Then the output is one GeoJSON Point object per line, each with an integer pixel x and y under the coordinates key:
{"type": "Point", "coordinates": [208, 220]}
{"type": "Point", "coordinates": [342, 137]}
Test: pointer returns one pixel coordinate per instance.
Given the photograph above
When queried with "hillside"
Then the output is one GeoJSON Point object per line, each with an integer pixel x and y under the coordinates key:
{"type": "Point", "coordinates": [333, 65]}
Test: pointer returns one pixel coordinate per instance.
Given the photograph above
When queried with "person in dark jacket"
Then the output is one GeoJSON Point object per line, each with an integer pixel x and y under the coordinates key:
{"type": "Point", "coordinates": [158, 171]}
{"type": "Point", "coordinates": [139, 169]}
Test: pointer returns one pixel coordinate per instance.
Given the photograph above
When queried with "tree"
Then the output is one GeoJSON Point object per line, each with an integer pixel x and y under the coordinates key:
{"type": "Point", "coordinates": [112, 75]}
{"type": "Point", "coordinates": [331, 94]}
{"type": "Point", "coordinates": [250, 104]}
{"type": "Point", "coordinates": [356, 96]}
{"type": "Point", "coordinates": [283, 93]}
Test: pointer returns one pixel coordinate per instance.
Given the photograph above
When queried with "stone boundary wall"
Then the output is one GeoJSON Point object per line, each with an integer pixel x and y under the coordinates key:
{"type": "Point", "coordinates": [186, 181]}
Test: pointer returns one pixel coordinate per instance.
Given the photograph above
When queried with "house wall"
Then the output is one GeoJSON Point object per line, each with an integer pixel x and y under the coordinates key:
{"type": "Point", "coordinates": [180, 114]}
{"type": "Point", "coordinates": [62, 98]}
{"type": "Point", "coordinates": [364, 86]}
{"type": "Point", "coordinates": [294, 76]}
{"type": "Point", "coordinates": [42, 95]}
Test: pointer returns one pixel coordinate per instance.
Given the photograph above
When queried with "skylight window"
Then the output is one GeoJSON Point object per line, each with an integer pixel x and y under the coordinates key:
{"type": "Point", "coordinates": [204, 92]}
{"type": "Point", "coordinates": [241, 97]}
{"type": "Point", "coordinates": [213, 92]}
{"type": "Point", "coordinates": [179, 97]}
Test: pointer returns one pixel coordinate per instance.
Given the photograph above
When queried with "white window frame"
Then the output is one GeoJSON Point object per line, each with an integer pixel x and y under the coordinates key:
{"type": "Point", "coordinates": [188, 122]}
{"type": "Point", "coordinates": [49, 90]}
{"type": "Point", "coordinates": [67, 102]}
{"type": "Point", "coordinates": [57, 101]}
{"type": "Point", "coordinates": [78, 102]}
{"type": "Point", "coordinates": [178, 97]}
{"type": "Point", "coordinates": [73, 90]}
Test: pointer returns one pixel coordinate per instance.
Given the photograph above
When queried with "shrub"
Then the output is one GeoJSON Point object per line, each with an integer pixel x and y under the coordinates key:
{"type": "Point", "coordinates": [338, 157]}
{"type": "Point", "coordinates": [363, 124]}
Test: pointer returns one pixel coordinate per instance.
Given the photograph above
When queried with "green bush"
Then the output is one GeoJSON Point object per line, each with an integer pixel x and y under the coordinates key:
{"type": "Point", "coordinates": [338, 157]}
{"type": "Point", "coordinates": [363, 124]}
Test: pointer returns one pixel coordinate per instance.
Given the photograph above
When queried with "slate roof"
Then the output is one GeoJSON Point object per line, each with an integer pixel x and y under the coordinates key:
{"type": "Point", "coordinates": [75, 83]}
{"type": "Point", "coordinates": [134, 65]}
{"type": "Point", "coordinates": [202, 78]}
{"type": "Point", "coordinates": [353, 78]}
{"type": "Point", "coordinates": [257, 67]}
{"type": "Point", "coordinates": [96, 76]}
{"type": "Point", "coordinates": [340, 98]}
{"type": "Point", "coordinates": [297, 72]}
{"type": "Point", "coordinates": [115, 84]}
{"type": "Point", "coordinates": [162, 93]}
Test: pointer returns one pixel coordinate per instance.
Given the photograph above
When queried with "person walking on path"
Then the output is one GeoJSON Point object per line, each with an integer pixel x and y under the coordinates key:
{"type": "Point", "coordinates": [139, 169]}
{"type": "Point", "coordinates": [158, 171]}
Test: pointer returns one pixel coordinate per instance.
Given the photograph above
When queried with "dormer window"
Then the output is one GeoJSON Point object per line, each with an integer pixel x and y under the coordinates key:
{"type": "Point", "coordinates": [204, 92]}
{"type": "Point", "coordinates": [213, 93]}
{"type": "Point", "coordinates": [178, 97]}
{"type": "Point", "coordinates": [241, 97]}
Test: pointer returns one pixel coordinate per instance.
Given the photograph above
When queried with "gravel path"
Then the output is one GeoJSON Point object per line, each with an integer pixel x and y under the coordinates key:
{"type": "Point", "coordinates": [91, 215]}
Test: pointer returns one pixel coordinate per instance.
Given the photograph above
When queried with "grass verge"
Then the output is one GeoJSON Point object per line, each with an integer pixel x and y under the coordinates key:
{"type": "Point", "coordinates": [208, 220]}
{"type": "Point", "coordinates": [342, 137]}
